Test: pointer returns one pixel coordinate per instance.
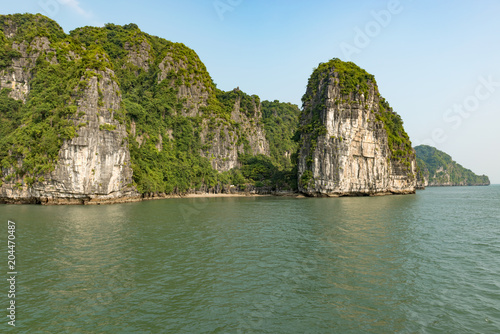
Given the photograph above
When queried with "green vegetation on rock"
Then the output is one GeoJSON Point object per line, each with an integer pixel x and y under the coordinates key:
{"type": "Point", "coordinates": [281, 121]}
{"type": "Point", "coordinates": [440, 169]}
{"type": "Point", "coordinates": [261, 171]}
{"type": "Point", "coordinates": [168, 157]}
{"type": "Point", "coordinates": [6, 52]}
{"type": "Point", "coordinates": [398, 140]}
{"type": "Point", "coordinates": [48, 117]}
{"type": "Point", "coordinates": [352, 78]}
{"type": "Point", "coordinates": [25, 27]}
{"type": "Point", "coordinates": [179, 125]}
{"type": "Point", "coordinates": [279, 170]}
{"type": "Point", "coordinates": [353, 82]}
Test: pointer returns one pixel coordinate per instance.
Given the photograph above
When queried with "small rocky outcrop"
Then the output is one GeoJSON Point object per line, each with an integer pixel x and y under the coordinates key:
{"type": "Point", "coordinates": [352, 141]}
{"type": "Point", "coordinates": [138, 54]}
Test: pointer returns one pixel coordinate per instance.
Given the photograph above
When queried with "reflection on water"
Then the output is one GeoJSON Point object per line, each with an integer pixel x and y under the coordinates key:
{"type": "Point", "coordinates": [423, 263]}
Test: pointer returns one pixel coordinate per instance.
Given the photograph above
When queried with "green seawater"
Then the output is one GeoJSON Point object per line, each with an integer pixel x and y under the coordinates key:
{"type": "Point", "coordinates": [424, 263]}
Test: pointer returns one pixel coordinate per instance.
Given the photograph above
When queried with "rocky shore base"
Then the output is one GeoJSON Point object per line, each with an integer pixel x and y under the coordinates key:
{"type": "Point", "coordinates": [232, 192]}
{"type": "Point", "coordinates": [98, 200]}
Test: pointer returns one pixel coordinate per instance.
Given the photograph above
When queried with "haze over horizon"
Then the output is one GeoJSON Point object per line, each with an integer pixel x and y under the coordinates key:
{"type": "Point", "coordinates": [436, 64]}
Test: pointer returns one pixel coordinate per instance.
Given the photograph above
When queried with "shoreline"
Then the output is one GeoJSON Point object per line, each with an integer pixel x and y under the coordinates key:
{"type": "Point", "coordinates": [135, 197]}
{"type": "Point", "coordinates": [225, 195]}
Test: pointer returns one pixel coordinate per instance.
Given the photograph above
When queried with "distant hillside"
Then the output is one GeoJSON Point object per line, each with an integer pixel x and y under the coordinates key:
{"type": "Point", "coordinates": [438, 169]}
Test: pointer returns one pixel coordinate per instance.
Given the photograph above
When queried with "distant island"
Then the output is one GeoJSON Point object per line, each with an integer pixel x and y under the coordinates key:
{"type": "Point", "coordinates": [437, 169]}
{"type": "Point", "coordinates": [112, 114]}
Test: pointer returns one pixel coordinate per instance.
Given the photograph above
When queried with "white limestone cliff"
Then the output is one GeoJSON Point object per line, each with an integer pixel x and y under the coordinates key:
{"type": "Point", "coordinates": [351, 155]}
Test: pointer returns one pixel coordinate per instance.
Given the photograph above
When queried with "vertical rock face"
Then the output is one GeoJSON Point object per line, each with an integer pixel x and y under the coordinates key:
{"type": "Point", "coordinates": [19, 74]}
{"type": "Point", "coordinates": [95, 165]}
{"type": "Point", "coordinates": [138, 55]}
{"type": "Point", "coordinates": [352, 142]}
{"type": "Point", "coordinates": [193, 83]}
{"type": "Point", "coordinates": [226, 143]}
{"type": "Point", "coordinates": [195, 89]}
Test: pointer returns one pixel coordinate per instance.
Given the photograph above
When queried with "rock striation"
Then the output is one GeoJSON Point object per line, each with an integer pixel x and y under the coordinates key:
{"type": "Point", "coordinates": [352, 143]}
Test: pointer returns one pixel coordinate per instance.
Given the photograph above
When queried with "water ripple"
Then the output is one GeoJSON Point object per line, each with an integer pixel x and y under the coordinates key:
{"type": "Point", "coordinates": [413, 264]}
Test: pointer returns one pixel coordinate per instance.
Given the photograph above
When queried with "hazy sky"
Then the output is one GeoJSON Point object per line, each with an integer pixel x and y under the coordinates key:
{"type": "Point", "coordinates": [436, 62]}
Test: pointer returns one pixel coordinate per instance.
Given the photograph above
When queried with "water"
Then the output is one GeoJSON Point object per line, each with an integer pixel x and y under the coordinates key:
{"type": "Point", "coordinates": [424, 263]}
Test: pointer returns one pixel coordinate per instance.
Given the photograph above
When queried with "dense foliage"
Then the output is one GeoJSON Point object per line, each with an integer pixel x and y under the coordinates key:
{"type": "Point", "coordinates": [29, 26]}
{"type": "Point", "coordinates": [248, 104]}
{"type": "Point", "coordinates": [279, 170]}
{"type": "Point", "coordinates": [280, 122]}
{"type": "Point", "coordinates": [398, 140]}
{"type": "Point", "coordinates": [47, 117]}
{"type": "Point", "coordinates": [7, 53]}
{"type": "Point", "coordinates": [352, 78]}
{"type": "Point", "coordinates": [261, 171]}
{"type": "Point", "coordinates": [440, 169]}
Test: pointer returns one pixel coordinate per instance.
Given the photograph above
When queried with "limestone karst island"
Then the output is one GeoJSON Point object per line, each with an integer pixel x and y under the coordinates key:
{"type": "Point", "coordinates": [112, 114]}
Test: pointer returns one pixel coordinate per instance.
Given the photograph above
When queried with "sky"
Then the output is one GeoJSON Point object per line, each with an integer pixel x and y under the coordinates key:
{"type": "Point", "coordinates": [436, 62]}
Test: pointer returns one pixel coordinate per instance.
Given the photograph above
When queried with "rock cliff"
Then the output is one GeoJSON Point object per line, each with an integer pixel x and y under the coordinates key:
{"type": "Point", "coordinates": [17, 76]}
{"type": "Point", "coordinates": [352, 141]}
{"type": "Point", "coordinates": [438, 169]}
{"type": "Point", "coordinates": [243, 133]}
{"type": "Point", "coordinates": [233, 119]}
{"type": "Point", "coordinates": [91, 160]}
{"type": "Point", "coordinates": [112, 114]}
{"type": "Point", "coordinates": [93, 166]}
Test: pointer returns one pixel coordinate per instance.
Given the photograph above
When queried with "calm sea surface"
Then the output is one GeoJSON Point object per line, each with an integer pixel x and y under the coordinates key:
{"type": "Point", "coordinates": [424, 263]}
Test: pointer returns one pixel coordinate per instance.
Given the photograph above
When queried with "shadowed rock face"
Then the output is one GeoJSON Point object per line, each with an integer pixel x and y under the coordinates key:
{"type": "Point", "coordinates": [226, 147]}
{"type": "Point", "coordinates": [345, 150]}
